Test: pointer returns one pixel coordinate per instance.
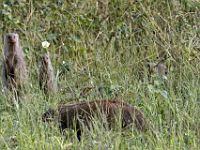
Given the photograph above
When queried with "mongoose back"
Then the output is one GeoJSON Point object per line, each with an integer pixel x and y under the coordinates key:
{"type": "Point", "coordinates": [14, 72]}
{"type": "Point", "coordinates": [47, 80]}
{"type": "Point", "coordinates": [73, 115]}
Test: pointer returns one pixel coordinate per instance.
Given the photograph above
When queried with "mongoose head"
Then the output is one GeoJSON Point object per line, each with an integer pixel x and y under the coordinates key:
{"type": "Point", "coordinates": [162, 69]}
{"type": "Point", "coordinates": [11, 38]}
{"type": "Point", "coordinates": [151, 67]}
{"type": "Point", "coordinates": [45, 59]}
{"type": "Point", "coordinates": [159, 68]}
{"type": "Point", "coordinates": [49, 115]}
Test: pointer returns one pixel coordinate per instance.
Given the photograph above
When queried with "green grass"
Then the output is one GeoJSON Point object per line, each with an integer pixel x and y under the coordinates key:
{"type": "Point", "coordinates": [108, 47]}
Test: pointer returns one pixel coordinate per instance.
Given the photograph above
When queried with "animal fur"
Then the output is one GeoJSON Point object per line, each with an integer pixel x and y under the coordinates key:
{"type": "Point", "coordinates": [46, 75]}
{"type": "Point", "coordinates": [73, 115]}
{"type": "Point", "coordinates": [159, 69]}
{"type": "Point", "coordinates": [14, 72]}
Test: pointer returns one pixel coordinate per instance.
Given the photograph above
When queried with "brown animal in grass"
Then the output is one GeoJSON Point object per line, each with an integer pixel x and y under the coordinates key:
{"type": "Point", "coordinates": [14, 72]}
{"type": "Point", "coordinates": [47, 80]}
{"type": "Point", "coordinates": [159, 68]}
{"type": "Point", "coordinates": [102, 9]}
{"type": "Point", "coordinates": [74, 115]}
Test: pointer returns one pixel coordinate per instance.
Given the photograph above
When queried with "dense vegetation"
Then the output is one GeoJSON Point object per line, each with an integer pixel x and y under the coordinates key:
{"type": "Point", "coordinates": [106, 45]}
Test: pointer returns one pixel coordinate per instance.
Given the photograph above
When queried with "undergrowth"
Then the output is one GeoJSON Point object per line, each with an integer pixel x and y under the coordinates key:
{"type": "Point", "coordinates": [106, 45]}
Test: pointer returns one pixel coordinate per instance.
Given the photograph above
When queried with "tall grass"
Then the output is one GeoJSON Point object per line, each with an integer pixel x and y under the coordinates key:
{"type": "Point", "coordinates": [106, 44]}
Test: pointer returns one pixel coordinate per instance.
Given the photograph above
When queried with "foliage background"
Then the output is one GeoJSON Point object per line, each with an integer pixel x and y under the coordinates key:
{"type": "Point", "coordinates": [106, 45]}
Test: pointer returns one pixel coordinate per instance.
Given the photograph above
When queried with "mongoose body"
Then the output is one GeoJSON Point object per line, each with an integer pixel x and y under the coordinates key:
{"type": "Point", "coordinates": [14, 72]}
{"type": "Point", "coordinates": [74, 115]}
{"type": "Point", "coordinates": [47, 80]}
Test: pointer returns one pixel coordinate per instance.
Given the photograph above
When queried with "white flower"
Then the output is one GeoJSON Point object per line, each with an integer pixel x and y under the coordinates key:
{"type": "Point", "coordinates": [63, 62]}
{"type": "Point", "coordinates": [45, 44]}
